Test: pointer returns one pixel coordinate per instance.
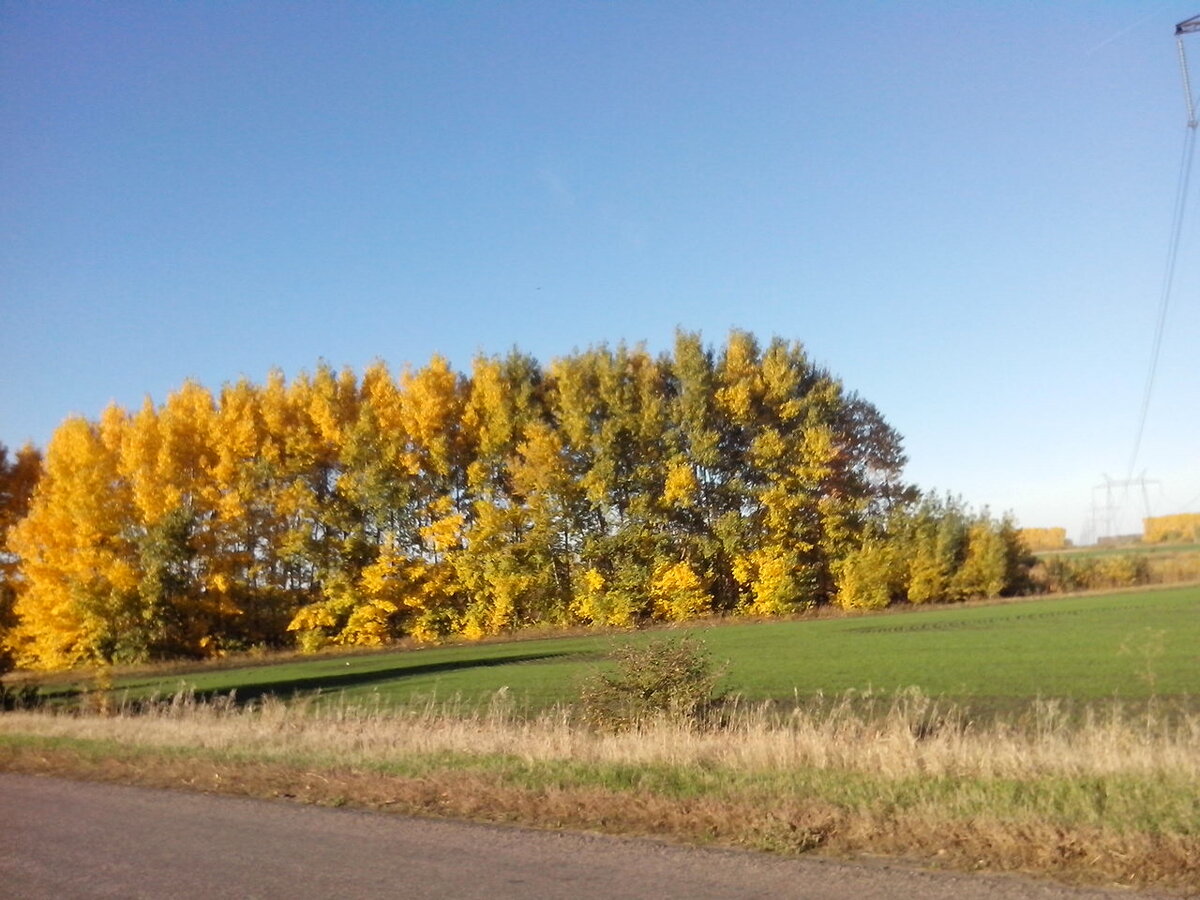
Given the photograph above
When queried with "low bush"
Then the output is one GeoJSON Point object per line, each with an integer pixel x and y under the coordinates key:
{"type": "Point", "coordinates": [673, 680]}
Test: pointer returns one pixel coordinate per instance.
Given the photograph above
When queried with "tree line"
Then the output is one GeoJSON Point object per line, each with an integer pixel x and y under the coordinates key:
{"type": "Point", "coordinates": [610, 487]}
{"type": "Point", "coordinates": [1179, 528]}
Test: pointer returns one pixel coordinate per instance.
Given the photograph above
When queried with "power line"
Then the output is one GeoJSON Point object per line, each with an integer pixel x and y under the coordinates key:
{"type": "Point", "coordinates": [1181, 196]}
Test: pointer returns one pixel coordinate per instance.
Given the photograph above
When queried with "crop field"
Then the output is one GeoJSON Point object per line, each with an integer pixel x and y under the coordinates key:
{"type": "Point", "coordinates": [1124, 645]}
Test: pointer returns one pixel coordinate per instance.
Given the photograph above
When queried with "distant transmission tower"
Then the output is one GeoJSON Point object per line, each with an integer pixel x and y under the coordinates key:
{"type": "Point", "coordinates": [1106, 505]}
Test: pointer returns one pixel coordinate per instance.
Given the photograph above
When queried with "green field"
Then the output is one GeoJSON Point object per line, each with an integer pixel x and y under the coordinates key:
{"type": "Point", "coordinates": [1128, 645]}
{"type": "Point", "coordinates": [1093, 551]}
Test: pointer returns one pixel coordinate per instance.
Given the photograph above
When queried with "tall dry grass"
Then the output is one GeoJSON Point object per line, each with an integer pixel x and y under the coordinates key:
{"type": "Point", "coordinates": [909, 735]}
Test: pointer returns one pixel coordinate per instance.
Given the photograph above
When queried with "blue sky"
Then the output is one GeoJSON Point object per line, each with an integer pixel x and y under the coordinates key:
{"type": "Point", "coordinates": [961, 208]}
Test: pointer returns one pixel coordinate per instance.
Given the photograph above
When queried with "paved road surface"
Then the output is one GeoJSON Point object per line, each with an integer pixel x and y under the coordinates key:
{"type": "Point", "coordinates": [63, 839]}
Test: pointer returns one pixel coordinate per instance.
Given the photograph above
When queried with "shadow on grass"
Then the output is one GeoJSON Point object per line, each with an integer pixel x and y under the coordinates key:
{"type": "Point", "coordinates": [287, 688]}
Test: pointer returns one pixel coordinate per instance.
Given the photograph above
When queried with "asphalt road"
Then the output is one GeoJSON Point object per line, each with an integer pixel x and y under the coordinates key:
{"type": "Point", "coordinates": [64, 839]}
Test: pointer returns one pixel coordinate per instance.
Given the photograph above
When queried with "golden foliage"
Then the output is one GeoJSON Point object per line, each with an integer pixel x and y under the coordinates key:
{"type": "Point", "coordinates": [678, 593]}
{"type": "Point", "coordinates": [78, 567]}
{"type": "Point", "coordinates": [870, 577]}
{"type": "Point", "coordinates": [681, 485]}
{"type": "Point", "coordinates": [1181, 528]}
{"type": "Point", "coordinates": [770, 576]}
{"type": "Point", "coordinates": [1036, 539]}
{"type": "Point", "coordinates": [611, 487]}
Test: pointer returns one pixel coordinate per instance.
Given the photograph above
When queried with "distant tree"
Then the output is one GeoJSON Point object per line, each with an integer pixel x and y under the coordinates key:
{"type": "Point", "coordinates": [1035, 539]}
{"type": "Point", "coordinates": [1179, 528]}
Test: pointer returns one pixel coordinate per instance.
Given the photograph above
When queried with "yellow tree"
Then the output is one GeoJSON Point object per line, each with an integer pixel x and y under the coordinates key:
{"type": "Point", "coordinates": [333, 463]}
{"type": "Point", "coordinates": [500, 570]}
{"type": "Point", "coordinates": [248, 598]}
{"type": "Point", "coordinates": [493, 571]}
{"type": "Point", "coordinates": [394, 595]}
{"type": "Point", "coordinates": [740, 382]}
{"type": "Point", "coordinates": [870, 576]}
{"type": "Point", "coordinates": [341, 541]}
{"type": "Point", "coordinates": [613, 409]}
{"type": "Point", "coordinates": [301, 466]}
{"type": "Point", "coordinates": [504, 398]}
{"type": "Point", "coordinates": [1182, 527]}
{"type": "Point", "coordinates": [437, 457]}
{"type": "Point", "coordinates": [928, 571]}
{"type": "Point", "coordinates": [515, 564]}
{"type": "Point", "coordinates": [992, 558]}
{"type": "Point", "coordinates": [79, 602]}
{"type": "Point", "coordinates": [388, 506]}
{"type": "Point", "coordinates": [431, 415]}
{"type": "Point", "coordinates": [168, 458]}
{"type": "Point", "coordinates": [378, 478]}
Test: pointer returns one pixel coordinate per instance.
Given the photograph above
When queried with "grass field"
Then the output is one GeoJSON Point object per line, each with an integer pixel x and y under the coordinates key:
{"type": "Point", "coordinates": [1126, 645]}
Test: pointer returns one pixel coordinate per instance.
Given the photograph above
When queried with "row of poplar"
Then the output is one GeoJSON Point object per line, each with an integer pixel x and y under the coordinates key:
{"type": "Point", "coordinates": [612, 487]}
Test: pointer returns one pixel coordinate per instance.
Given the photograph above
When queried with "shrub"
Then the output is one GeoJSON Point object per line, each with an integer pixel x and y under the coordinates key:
{"type": "Point", "coordinates": [667, 679]}
{"type": "Point", "coordinates": [1063, 574]}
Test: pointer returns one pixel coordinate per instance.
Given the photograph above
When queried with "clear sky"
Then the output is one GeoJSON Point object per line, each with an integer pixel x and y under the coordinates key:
{"type": "Point", "coordinates": [961, 208]}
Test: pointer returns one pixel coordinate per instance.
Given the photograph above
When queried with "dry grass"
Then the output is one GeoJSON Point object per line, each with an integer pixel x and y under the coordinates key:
{"type": "Point", "coordinates": [913, 735]}
{"type": "Point", "coordinates": [1106, 797]}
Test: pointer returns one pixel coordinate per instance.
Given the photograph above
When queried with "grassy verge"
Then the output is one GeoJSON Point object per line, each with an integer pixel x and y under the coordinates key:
{"type": "Point", "coordinates": [1109, 798]}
